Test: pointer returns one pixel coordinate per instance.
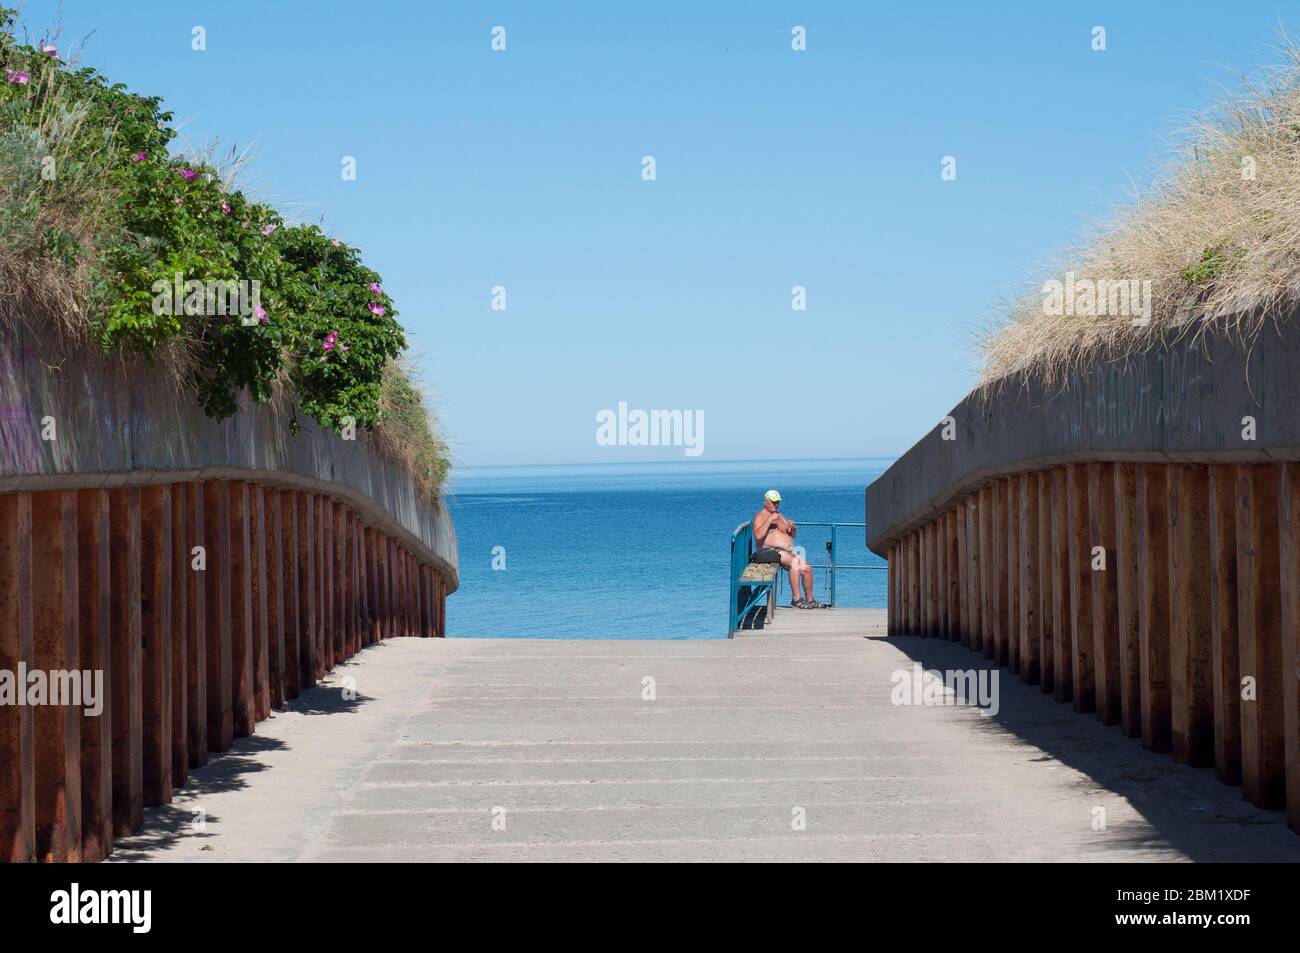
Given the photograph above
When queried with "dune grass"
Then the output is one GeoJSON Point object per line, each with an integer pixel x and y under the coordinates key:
{"type": "Point", "coordinates": [1217, 236]}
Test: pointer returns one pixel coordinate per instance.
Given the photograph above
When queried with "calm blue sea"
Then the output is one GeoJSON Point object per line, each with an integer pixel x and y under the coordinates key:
{"type": "Point", "coordinates": [623, 551]}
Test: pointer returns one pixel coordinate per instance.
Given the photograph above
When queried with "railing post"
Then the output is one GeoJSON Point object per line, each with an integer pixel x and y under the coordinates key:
{"type": "Point", "coordinates": [832, 566]}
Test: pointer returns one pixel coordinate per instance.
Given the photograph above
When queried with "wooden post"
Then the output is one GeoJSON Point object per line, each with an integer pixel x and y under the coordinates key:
{"type": "Point", "coordinates": [125, 707]}
{"type": "Point", "coordinates": [891, 593]}
{"type": "Point", "coordinates": [1046, 584]}
{"type": "Point", "coordinates": [259, 608]}
{"type": "Point", "coordinates": [1153, 605]}
{"type": "Point", "coordinates": [291, 581]}
{"type": "Point", "coordinates": [1083, 689]}
{"type": "Point", "coordinates": [275, 596]}
{"type": "Point", "coordinates": [953, 555]}
{"type": "Point", "coordinates": [196, 551]}
{"type": "Point", "coordinates": [405, 567]}
{"type": "Point", "coordinates": [17, 741]}
{"type": "Point", "coordinates": [376, 588]}
{"type": "Point", "coordinates": [1062, 651]}
{"type": "Point", "coordinates": [1011, 530]}
{"type": "Point", "coordinates": [998, 581]}
{"type": "Point", "coordinates": [1128, 599]}
{"type": "Point", "coordinates": [216, 521]}
{"type": "Point", "coordinates": [308, 602]}
{"type": "Point", "coordinates": [180, 637]}
{"type": "Point", "coordinates": [346, 587]}
{"type": "Point", "coordinates": [931, 581]}
{"type": "Point", "coordinates": [94, 605]}
{"type": "Point", "coordinates": [938, 578]}
{"type": "Point", "coordinates": [963, 574]}
{"type": "Point", "coordinates": [155, 643]}
{"type": "Point", "coordinates": [328, 590]}
{"type": "Point", "coordinates": [393, 582]}
{"type": "Point", "coordinates": [430, 603]}
{"type": "Point", "coordinates": [442, 608]}
{"type": "Point", "coordinates": [342, 632]}
{"type": "Point", "coordinates": [1225, 658]}
{"type": "Point", "coordinates": [948, 567]}
{"type": "Point", "coordinates": [922, 620]}
{"type": "Point", "coordinates": [1191, 685]}
{"type": "Point", "coordinates": [987, 568]}
{"type": "Point", "coordinates": [1105, 593]}
{"type": "Point", "coordinates": [1028, 571]}
{"type": "Point", "coordinates": [56, 728]}
{"type": "Point", "coordinates": [905, 583]}
{"type": "Point", "coordinates": [241, 610]}
{"type": "Point", "coordinates": [1290, 672]}
{"type": "Point", "coordinates": [1259, 624]}
{"type": "Point", "coordinates": [973, 572]}
{"type": "Point", "coordinates": [935, 573]}
{"type": "Point", "coordinates": [362, 576]}
{"type": "Point", "coordinates": [923, 542]}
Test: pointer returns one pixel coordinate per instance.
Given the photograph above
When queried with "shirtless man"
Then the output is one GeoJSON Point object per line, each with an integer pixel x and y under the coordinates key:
{"type": "Point", "coordinates": [774, 543]}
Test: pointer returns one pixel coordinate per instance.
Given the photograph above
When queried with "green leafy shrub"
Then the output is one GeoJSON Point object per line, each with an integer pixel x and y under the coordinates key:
{"type": "Point", "coordinates": [120, 218]}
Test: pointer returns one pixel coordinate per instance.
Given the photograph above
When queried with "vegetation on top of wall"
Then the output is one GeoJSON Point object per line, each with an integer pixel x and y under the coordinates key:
{"type": "Point", "coordinates": [100, 225]}
{"type": "Point", "coordinates": [1213, 244]}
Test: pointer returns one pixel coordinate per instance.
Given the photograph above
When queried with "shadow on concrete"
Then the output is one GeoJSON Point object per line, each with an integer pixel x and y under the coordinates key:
{"type": "Point", "coordinates": [169, 824]}
{"type": "Point", "coordinates": [1187, 808]}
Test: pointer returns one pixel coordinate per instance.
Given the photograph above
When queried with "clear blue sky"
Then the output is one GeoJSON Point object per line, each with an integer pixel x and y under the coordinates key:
{"type": "Point", "coordinates": [775, 168]}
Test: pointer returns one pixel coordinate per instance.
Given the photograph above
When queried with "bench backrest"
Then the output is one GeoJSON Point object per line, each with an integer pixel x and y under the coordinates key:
{"type": "Point", "coordinates": [742, 547]}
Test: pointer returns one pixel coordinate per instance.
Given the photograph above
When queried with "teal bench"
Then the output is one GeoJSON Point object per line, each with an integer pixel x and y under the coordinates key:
{"type": "Point", "coordinates": [753, 585]}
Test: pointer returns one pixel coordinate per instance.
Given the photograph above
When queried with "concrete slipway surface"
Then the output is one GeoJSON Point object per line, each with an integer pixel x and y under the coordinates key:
{"type": "Point", "coordinates": [554, 741]}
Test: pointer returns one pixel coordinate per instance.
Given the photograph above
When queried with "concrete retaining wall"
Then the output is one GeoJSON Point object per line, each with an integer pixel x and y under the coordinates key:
{"type": "Point", "coordinates": [1123, 543]}
{"type": "Point", "coordinates": [118, 423]}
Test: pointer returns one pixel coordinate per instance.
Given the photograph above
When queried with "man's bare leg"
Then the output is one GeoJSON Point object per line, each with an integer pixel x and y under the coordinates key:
{"type": "Point", "coordinates": [808, 583]}
{"type": "Point", "coordinates": [791, 564]}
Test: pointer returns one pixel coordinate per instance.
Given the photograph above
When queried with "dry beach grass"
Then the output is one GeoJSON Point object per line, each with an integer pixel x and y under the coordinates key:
{"type": "Point", "coordinates": [1217, 236]}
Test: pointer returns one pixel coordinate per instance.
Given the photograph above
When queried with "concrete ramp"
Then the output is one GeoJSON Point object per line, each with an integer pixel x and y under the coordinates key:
{"type": "Point", "coordinates": [780, 747]}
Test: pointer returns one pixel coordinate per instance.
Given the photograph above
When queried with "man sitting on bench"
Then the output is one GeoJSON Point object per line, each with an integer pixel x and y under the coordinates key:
{"type": "Point", "coordinates": [774, 543]}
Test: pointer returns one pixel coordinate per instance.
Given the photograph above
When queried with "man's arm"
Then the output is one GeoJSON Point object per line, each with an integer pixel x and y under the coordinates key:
{"type": "Point", "coordinates": [762, 523]}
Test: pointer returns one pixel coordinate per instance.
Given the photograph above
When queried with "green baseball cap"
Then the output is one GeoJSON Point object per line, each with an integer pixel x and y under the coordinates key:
{"type": "Point", "coordinates": [773, 496]}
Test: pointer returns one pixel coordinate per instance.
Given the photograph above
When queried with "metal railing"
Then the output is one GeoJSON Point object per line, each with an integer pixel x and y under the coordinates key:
{"type": "Point", "coordinates": [745, 598]}
{"type": "Point", "coordinates": [832, 565]}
